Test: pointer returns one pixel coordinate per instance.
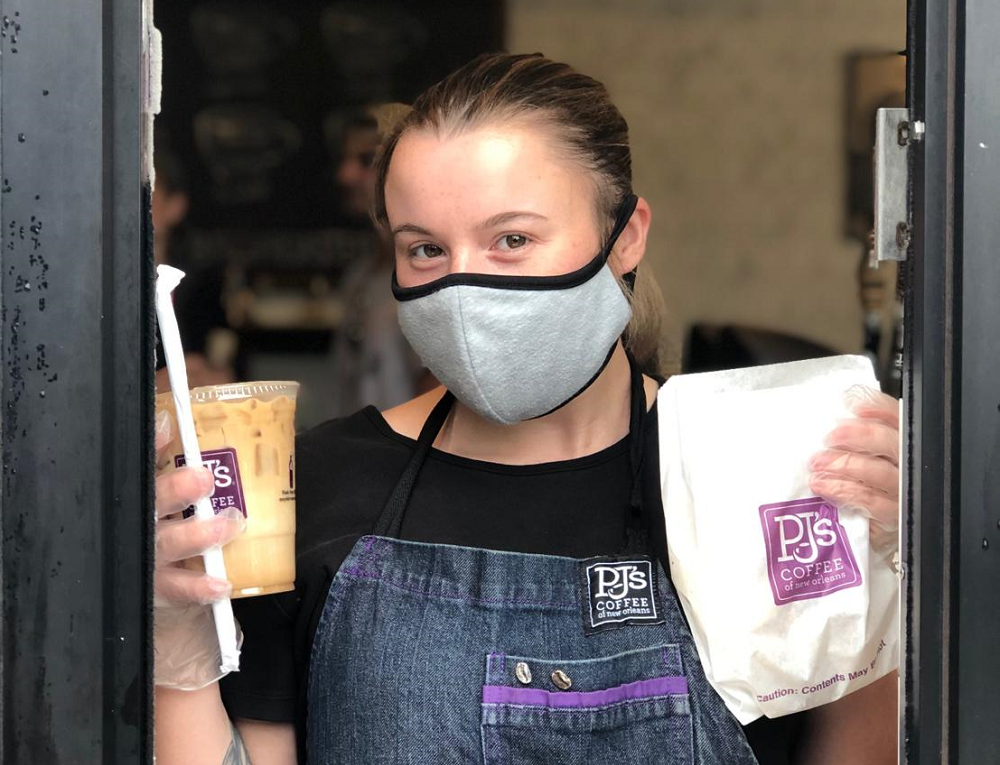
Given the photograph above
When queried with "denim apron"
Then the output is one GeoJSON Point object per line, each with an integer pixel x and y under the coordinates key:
{"type": "Point", "coordinates": [433, 654]}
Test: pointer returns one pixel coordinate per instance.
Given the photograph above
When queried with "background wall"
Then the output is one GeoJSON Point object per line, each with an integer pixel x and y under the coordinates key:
{"type": "Point", "coordinates": [736, 109]}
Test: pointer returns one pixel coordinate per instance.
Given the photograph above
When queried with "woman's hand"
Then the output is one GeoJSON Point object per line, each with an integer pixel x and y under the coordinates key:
{"type": "Point", "coordinates": [185, 643]}
{"type": "Point", "coordinates": [860, 466]}
{"type": "Point", "coordinates": [180, 538]}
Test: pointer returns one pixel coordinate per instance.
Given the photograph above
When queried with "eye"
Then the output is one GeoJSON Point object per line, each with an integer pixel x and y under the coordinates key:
{"type": "Point", "coordinates": [426, 252]}
{"type": "Point", "coordinates": [512, 241]}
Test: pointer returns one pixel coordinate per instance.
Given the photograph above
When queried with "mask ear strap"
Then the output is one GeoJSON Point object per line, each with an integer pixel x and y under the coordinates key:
{"type": "Point", "coordinates": [621, 221]}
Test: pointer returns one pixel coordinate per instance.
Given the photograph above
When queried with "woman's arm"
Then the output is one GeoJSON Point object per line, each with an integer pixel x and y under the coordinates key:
{"type": "Point", "coordinates": [192, 728]}
{"type": "Point", "coordinates": [860, 728]}
{"type": "Point", "coordinates": [268, 743]}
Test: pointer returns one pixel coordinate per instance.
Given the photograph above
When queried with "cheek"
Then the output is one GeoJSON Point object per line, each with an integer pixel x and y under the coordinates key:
{"type": "Point", "coordinates": [413, 273]}
{"type": "Point", "coordinates": [566, 257]}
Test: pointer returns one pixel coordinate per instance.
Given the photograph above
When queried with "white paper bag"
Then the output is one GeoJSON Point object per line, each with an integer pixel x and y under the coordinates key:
{"type": "Point", "coordinates": [788, 606]}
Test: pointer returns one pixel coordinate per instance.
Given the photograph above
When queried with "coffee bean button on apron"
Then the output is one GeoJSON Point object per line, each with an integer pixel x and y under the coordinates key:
{"type": "Point", "coordinates": [562, 680]}
{"type": "Point", "coordinates": [523, 673]}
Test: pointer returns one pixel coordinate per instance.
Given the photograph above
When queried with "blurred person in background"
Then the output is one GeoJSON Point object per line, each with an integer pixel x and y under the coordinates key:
{"type": "Point", "coordinates": [372, 361]}
{"type": "Point", "coordinates": [210, 345]}
{"type": "Point", "coordinates": [354, 140]}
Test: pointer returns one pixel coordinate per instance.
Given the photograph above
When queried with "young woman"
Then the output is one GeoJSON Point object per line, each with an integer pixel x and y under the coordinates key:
{"type": "Point", "coordinates": [445, 547]}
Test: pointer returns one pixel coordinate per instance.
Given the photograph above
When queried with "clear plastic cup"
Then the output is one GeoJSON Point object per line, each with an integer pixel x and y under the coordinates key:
{"type": "Point", "coordinates": [246, 432]}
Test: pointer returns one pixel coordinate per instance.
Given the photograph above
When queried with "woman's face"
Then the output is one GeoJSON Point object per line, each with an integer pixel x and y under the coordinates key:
{"type": "Point", "coordinates": [493, 200]}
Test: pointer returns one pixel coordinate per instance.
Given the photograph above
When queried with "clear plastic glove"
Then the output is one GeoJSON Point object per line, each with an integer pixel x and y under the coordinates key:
{"type": "Point", "coordinates": [859, 468]}
{"type": "Point", "coordinates": [186, 646]}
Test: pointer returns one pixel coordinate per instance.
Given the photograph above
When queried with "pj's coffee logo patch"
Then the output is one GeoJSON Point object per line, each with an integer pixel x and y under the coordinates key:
{"type": "Point", "coordinates": [228, 487]}
{"type": "Point", "coordinates": [618, 592]}
{"type": "Point", "coordinates": [808, 552]}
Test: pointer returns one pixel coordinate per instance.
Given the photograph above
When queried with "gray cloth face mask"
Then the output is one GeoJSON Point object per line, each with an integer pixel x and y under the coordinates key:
{"type": "Point", "coordinates": [517, 347]}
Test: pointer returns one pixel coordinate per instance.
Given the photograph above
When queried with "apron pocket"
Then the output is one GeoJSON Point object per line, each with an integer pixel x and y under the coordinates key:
{"type": "Point", "coordinates": [628, 708]}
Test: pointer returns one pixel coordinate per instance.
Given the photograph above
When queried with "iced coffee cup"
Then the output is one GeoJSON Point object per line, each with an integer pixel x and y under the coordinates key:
{"type": "Point", "coordinates": [246, 432]}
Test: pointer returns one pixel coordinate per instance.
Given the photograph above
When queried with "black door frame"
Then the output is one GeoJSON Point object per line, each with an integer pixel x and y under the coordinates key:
{"type": "Point", "coordinates": [951, 541]}
{"type": "Point", "coordinates": [76, 385]}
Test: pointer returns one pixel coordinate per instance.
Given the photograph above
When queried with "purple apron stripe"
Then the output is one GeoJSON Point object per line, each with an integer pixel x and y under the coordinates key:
{"type": "Point", "coordinates": [536, 697]}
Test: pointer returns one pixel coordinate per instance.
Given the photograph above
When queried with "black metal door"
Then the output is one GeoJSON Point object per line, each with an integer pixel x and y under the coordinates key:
{"type": "Point", "coordinates": [76, 385]}
{"type": "Point", "coordinates": [952, 367]}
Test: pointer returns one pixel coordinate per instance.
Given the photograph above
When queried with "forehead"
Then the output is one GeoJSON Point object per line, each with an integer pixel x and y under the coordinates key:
{"type": "Point", "coordinates": [482, 171]}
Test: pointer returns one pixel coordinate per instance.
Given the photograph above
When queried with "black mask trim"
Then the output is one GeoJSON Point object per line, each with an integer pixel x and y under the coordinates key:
{"type": "Point", "coordinates": [591, 381]}
{"type": "Point", "coordinates": [563, 281]}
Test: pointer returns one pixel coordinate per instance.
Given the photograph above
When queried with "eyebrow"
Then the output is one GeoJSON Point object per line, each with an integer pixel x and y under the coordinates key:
{"type": "Point", "coordinates": [410, 228]}
{"type": "Point", "coordinates": [497, 220]}
{"type": "Point", "coordinates": [507, 217]}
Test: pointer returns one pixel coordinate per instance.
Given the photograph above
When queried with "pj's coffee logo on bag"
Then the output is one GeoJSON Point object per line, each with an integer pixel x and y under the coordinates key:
{"type": "Point", "coordinates": [808, 552]}
{"type": "Point", "coordinates": [617, 592]}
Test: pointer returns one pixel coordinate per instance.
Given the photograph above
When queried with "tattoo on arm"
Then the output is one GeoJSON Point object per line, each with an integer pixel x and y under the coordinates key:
{"type": "Point", "coordinates": [236, 754]}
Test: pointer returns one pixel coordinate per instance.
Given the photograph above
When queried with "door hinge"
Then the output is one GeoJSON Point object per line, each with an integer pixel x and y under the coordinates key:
{"type": "Point", "coordinates": [894, 133]}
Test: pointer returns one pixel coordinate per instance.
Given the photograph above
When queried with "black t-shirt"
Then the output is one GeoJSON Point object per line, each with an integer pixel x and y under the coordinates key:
{"type": "Point", "coordinates": [345, 471]}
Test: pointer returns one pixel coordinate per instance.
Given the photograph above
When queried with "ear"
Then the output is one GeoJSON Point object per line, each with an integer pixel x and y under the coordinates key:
{"type": "Point", "coordinates": [631, 245]}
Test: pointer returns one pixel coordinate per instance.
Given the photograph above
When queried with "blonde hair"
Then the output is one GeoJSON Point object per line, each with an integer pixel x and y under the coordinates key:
{"type": "Point", "coordinates": [644, 334]}
{"type": "Point", "coordinates": [500, 87]}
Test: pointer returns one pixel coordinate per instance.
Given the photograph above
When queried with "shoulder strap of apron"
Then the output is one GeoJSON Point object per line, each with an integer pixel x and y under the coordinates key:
{"type": "Point", "coordinates": [636, 538]}
{"type": "Point", "coordinates": [390, 522]}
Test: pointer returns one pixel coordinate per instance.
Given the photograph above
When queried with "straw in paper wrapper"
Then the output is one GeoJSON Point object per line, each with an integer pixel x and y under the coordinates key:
{"type": "Point", "coordinates": [167, 280]}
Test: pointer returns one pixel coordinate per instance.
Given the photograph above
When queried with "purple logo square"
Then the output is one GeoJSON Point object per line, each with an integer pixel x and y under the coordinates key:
{"type": "Point", "coordinates": [228, 487]}
{"type": "Point", "coordinates": [808, 552]}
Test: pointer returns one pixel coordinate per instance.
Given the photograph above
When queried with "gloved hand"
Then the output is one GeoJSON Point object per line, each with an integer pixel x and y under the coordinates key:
{"type": "Point", "coordinates": [859, 468]}
{"type": "Point", "coordinates": [186, 646]}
